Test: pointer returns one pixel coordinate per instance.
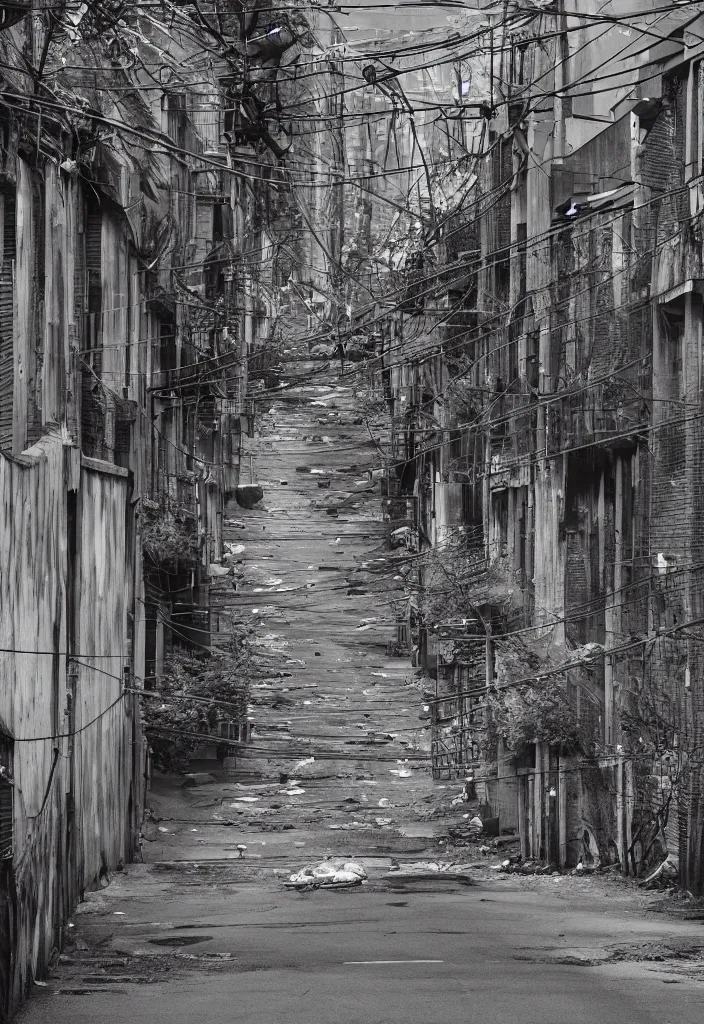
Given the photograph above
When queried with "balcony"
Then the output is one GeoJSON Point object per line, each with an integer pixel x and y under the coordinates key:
{"type": "Point", "coordinates": [208, 375]}
{"type": "Point", "coordinates": [610, 411]}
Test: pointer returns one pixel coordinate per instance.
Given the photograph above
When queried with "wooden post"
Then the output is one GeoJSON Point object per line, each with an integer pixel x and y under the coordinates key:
{"type": "Point", "coordinates": [562, 813]}
{"type": "Point", "coordinates": [523, 824]}
{"type": "Point", "coordinates": [547, 837]}
{"type": "Point", "coordinates": [629, 799]}
{"type": "Point", "coordinates": [619, 810]}
{"type": "Point", "coordinates": [537, 801]}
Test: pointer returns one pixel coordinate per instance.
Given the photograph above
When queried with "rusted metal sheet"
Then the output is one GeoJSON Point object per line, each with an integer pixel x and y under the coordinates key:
{"type": "Point", "coordinates": [604, 161]}
{"type": "Point", "coordinates": [67, 718]}
{"type": "Point", "coordinates": [103, 596]}
{"type": "Point", "coordinates": [33, 584]}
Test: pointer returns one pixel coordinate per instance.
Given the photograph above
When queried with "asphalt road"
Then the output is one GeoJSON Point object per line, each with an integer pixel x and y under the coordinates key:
{"type": "Point", "coordinates": [492, 953]}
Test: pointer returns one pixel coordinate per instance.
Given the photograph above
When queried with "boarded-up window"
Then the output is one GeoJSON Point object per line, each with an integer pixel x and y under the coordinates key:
{"type": "Point", "coordinates": [500, 506]}
{"type": "Point", "coordinates": [223, 221]}
{"type": "Point", "coordinates": [177, 119]}
{"type": "Point", "coordinates": [167, 349]}
{"type": "Point", "coordinates": [204, 226]}
{"type": "Point", "coordinates": [7, 316]}
{"type": "Point", "coordinates": [92, 397]}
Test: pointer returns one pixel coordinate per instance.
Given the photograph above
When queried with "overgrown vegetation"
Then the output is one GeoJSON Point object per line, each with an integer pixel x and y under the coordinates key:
{"type": "Point", "coordinates": [370, 404]}
{"type": "Point", "coordinates": [201, 693]}
{"type": "Point", "coordinates": [168, 539]}
{"type": "Point", "coordinates": [534, 713]}
{"type": "Point", "coordinates": [522, 710]}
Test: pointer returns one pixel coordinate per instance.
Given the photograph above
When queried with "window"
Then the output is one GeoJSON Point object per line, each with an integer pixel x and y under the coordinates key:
{"type": "Point", "coordinates": [500, 508]}
{"type": "Point", "coordinates": [6, 799]}
{"type": "Point", "coordinates": [89, 305]}
{"type": "Point", "coordinates": [7, 305]}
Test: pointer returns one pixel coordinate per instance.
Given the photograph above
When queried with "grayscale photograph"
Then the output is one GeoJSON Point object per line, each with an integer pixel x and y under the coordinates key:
{"type": "Point", "coordinates": [352, 512]}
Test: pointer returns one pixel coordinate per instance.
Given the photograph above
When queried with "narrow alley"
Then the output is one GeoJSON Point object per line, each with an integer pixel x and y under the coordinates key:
{"type": "Point", "coordinates": [337, 767]}
{"type": "Point", "coordinates": [351, 505]}
{"type": "Point", "coordinates": [337, 718]}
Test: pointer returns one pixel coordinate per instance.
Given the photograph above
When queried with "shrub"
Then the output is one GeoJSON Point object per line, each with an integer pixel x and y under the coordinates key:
{"type": "Point", "coordinates": [221, 682]}
{"type": "Point", "coordinates": [538, 713]}
{"type": "Point", "coordinates": [168, 540]}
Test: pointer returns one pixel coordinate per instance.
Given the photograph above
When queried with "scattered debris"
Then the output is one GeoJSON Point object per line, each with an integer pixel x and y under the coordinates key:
{"type": "Point", "coordinates": [468, 832]}
{"type": "Point", "coordinates": [433, 871]}
{"type": "Point", "coordinates": [517, 866]}
{"type": "Point", "coordinates": [665, 873]}
{"type": "Point", "coordinates": [327, 875]}
{"type": "Point", "coordinates": [218, 570]}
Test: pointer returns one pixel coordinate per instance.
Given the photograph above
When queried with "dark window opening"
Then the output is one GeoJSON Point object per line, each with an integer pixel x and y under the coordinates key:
{"type": "Point", "coordinates": [6, 798]}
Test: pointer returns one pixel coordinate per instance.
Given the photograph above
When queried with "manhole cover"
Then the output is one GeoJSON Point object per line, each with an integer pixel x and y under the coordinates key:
{"type": "Point", "coordinates": [180, 940]}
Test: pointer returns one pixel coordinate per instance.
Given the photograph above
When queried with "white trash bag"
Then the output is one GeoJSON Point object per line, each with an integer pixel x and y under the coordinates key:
{"type": "Point", "coordinates": [328, 874]}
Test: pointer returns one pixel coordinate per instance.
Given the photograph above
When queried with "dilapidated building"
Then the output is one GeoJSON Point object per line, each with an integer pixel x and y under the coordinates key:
{"type": "Point", "coordinates": [547, 451]}
{"type": "Point", "coordinates": [124, 337]}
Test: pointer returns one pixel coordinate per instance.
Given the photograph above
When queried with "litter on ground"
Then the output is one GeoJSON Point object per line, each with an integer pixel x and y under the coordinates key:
{"type": "Point", "coordinates": [303, 764]}
{"type": "Point", "coordinates": [328, 874]}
